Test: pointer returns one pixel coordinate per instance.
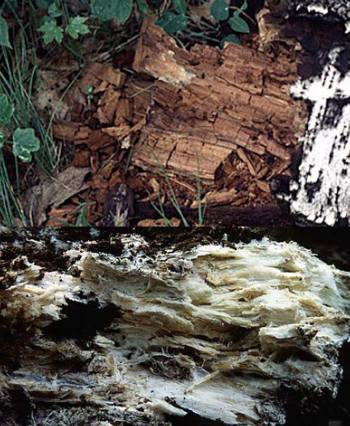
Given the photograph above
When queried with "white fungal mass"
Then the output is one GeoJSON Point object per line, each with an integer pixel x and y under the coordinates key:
{"type": "Point", "coordinates": [214, 330]}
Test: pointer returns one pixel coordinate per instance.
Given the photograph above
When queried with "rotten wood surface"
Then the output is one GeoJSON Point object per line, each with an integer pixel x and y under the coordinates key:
{"type": "Point", "coordinates": [244, 121]}
{"type": "Point", "coordinates": [208, 104]}
{"type": "Point", "coordinates": [321, 193]}
{"type": "Point", "coordinates": [103, 328]}
{"type": "Point", "coordinates": [221, 117]}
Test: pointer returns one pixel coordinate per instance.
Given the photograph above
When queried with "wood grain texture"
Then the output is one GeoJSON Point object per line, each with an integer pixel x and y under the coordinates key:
{"type": "Point", "coordinates": [209, 103]}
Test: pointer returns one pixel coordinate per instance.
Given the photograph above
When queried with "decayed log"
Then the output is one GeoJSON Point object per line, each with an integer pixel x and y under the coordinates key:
{"type": "Point", "coordinates": [236, 116]}
{"type": "Point", "coordinates": [208, 103]}
{"type": "Point", "coordinates": [127, 330]}
{"type": "Point", "coordinates": [225, 215]}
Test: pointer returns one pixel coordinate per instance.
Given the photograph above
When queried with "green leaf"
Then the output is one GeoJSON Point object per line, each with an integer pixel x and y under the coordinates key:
{"type": "Point", "coordinates": [244, 5]}
{"type": "Point", "coordinates": [82, 216]}
{"type": "Point", "coordinates": [219, 10]}
{"type": "Point", "coordinates": [142, 6]}
{"type": "Point", "coordinates": [109, 9]}
{"type": "Point", "coordinates": [89, 90]}
{"type": "Point", "coordinates": [123, 10]}
{"type": "Point", "coordinates": [51, 32]}
{"type": "Point", "coordinates": [77, 27]}
{"type": "Point", "coordinates": [24, 143]}
{"type": "Point", "coordinates": [2, 140]}
{"type": "Point", "coordinates": [4, 33]}
{"type": "Point", "coordinates": [180, 6]}
{"type": "Point", "coordinates": [238, 24]}
{"type": "Point", "coordinates": [6, 110]}
{"type": "Point", "coordinates": [54, 11]}
{"type": "Point", "coordinates": [232, 38]}
{"type": "Point", "coordinates": [172, 22]}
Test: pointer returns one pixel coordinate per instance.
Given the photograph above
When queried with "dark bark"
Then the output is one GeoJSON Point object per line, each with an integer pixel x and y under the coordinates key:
{"type": "Point", "coordinates": [222, 215]}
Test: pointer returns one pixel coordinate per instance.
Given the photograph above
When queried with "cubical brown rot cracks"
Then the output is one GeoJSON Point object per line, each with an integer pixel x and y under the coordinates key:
{"type": "Point", "coordinates": [223, 116]}
{"type": "Point", "coordinates": [238, 119]}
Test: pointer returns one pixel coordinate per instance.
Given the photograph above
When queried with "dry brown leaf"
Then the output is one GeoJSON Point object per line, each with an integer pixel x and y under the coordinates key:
{"type": "Point", "coordinates": [66, 131]}
{"type": "Point", "coordinates": [54, 192]}
{"type": "Point", "coordinates": [81, 158]}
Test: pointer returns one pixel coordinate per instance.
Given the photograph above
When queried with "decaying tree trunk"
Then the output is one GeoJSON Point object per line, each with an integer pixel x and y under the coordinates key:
{"type": "Point", "coordinates": [223, 216]}
{"type": "Point", "coordinates": [247, 121]}
{"type": "Point", "coordinates": [127, 330]}
{"type": "Point", "coordinates": [208, 103]}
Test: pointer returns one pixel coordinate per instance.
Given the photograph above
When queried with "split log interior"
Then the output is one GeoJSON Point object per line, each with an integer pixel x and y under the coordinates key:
{"type": "Point", "coordinates": [128, 329]}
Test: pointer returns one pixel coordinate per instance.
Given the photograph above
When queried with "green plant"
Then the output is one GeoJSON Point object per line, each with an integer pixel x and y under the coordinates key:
{"type": "Point", "coordinates": [53, 30]}
{"type": "Point", "coordinates": [173, 199]}
{"type": "Point", "coordinates": [17, 75]}
{"type": "Point", "coordinates": [119, 10]}
{"type": "Point", "coordinates": [57, 23]}
{"type": "Point", "coordinates": [81, 218]}
{"type": "Point", "coordinates": [24, 143]}
{"type": "Point", "coordinates": [4, 33]}
{"type": "Point", "coordinates": [24, 139]}
{"type": "Point", "coordinates": [176, 20]}
{"type": "Point", "coordinates": [10, 207]}
{"type": "Point", "coordinates": [89, 93]}
{"type": "Point", "coordinates": [173, 21]}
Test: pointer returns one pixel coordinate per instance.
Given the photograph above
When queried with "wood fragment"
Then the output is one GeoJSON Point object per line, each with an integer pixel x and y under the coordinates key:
{"type": "Point", "coordinates": [244, 157]}
{"type": "Point", "coordinates": [108, 104]}
{"type": "Point", "coordinates": [216, 198]}
{"type": "Point", "coordinates": [202, 112]}
{"type": "Point", "coordinates": [102, 73]}
{"type": "Point", "coordinates": [54, 192]}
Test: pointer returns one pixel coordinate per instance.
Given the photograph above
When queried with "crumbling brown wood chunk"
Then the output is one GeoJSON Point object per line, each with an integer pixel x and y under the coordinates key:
{"type": "Point", "coordinates": [207, 101]}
